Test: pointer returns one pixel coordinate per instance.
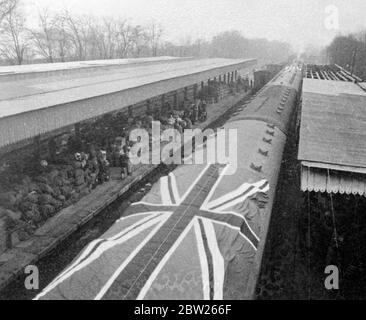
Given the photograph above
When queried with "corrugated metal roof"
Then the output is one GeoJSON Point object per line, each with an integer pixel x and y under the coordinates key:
{"type": "Point", "coordinates": [332, 181]}
{"type": "Point", "coordinates": [333, 123]}
{"type": "Point", "coordinates": [332, 88]}
{"type": "Point", "coordinates": [332, 147]}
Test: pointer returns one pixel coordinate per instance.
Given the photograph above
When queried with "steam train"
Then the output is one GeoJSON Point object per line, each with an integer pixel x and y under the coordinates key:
{"type": "Point", "coordinates": [199, 233]}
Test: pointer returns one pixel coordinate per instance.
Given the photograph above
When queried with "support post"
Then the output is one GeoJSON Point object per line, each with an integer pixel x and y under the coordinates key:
{"type": "Point", "coordinates": [148, 105]}
{"type": "Point", "coordinates": [37, 148]}
{"type": "Point", "coordinates": [176, 100]}
{"type": "Point", "coordinates": [195, 88]}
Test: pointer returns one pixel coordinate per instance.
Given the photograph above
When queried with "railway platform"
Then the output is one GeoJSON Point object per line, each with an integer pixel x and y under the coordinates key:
{"type": "Point", "coordinates": [67, 221]}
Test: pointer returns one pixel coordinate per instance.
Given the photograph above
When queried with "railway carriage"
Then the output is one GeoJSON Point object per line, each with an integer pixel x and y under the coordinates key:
{"type": "Point", "coordinates": [199, 233]}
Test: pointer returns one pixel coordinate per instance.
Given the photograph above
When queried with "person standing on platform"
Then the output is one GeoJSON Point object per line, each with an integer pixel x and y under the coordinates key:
{"type": "Point", "coordinates": [125, 161]}
{"type": "Point", "coordinates": [188, 123]}
{"type": "Point", "coordinates": [171, 120]}
{"type": "Point", "coordinates": [93, 168]}
{"type": "Point", "coordinates": [104, 172]}
{"type": "Point", "coordinates": [194, 117]}
{"type": "Point", "coordinates": [203, 112]}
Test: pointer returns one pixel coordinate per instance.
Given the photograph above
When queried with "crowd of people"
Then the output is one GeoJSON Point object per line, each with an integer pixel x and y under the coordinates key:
{"type": "Point", "coordinates": [116, 153]}
{"type": "Point", "coordinates": [186, 116]}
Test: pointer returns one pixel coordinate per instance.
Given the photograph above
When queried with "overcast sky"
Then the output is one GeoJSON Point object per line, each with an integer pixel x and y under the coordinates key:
{"type": "Point", "coordinates": [299, 22]}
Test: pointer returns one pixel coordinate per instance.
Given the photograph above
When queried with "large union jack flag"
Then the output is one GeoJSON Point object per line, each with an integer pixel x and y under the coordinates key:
{"type": "Point", "coordinates": [177, 243]}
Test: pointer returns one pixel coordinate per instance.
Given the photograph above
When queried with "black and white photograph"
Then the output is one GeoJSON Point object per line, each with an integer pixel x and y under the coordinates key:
{"type": "Point", "coordinates": [197, 152]}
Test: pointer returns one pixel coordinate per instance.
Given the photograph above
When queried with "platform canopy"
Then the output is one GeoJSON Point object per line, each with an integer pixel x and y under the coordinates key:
{"type": "Point", "coordinates": [41, 98]}
{"type": "Point", "coordinates": [18, 72]}
{"type": "Point", "coordinates": [332, 147]}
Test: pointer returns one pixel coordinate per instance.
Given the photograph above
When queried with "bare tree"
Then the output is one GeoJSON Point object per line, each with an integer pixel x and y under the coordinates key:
{"type": "Point", "coordinates": [154, 35]}
{"type": "Point", "coordinates": [14, 40]}
{"type": "Point", "coordinates": [124, 38]}
{"type": "Point", "coordinates": [349, 52]}
{"type": "Point", "coordinates": [6, 6]}
{"type": "Point", "coordinates": [62, 38]}
{"type": "Point", "coordinates": [139, 40]}
{"type": "Point", "coordinates": [76, 31]}
{"type": "Point", "coordinates": [66, 36]}
{"type": "Point", "coordinates": [92, 33]}
{"type": "Point", "coordinates": [108, 39]}
{"type": "Point", "coordinates": [44, 38]}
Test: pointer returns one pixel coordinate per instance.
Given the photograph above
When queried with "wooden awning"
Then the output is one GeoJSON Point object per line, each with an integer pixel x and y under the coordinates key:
{"type": "Point", "coordinates": [332, 147]}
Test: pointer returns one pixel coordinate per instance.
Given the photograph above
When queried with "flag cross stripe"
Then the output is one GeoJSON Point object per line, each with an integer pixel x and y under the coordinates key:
{"type": "Point", "coordinates": [133, 277]}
